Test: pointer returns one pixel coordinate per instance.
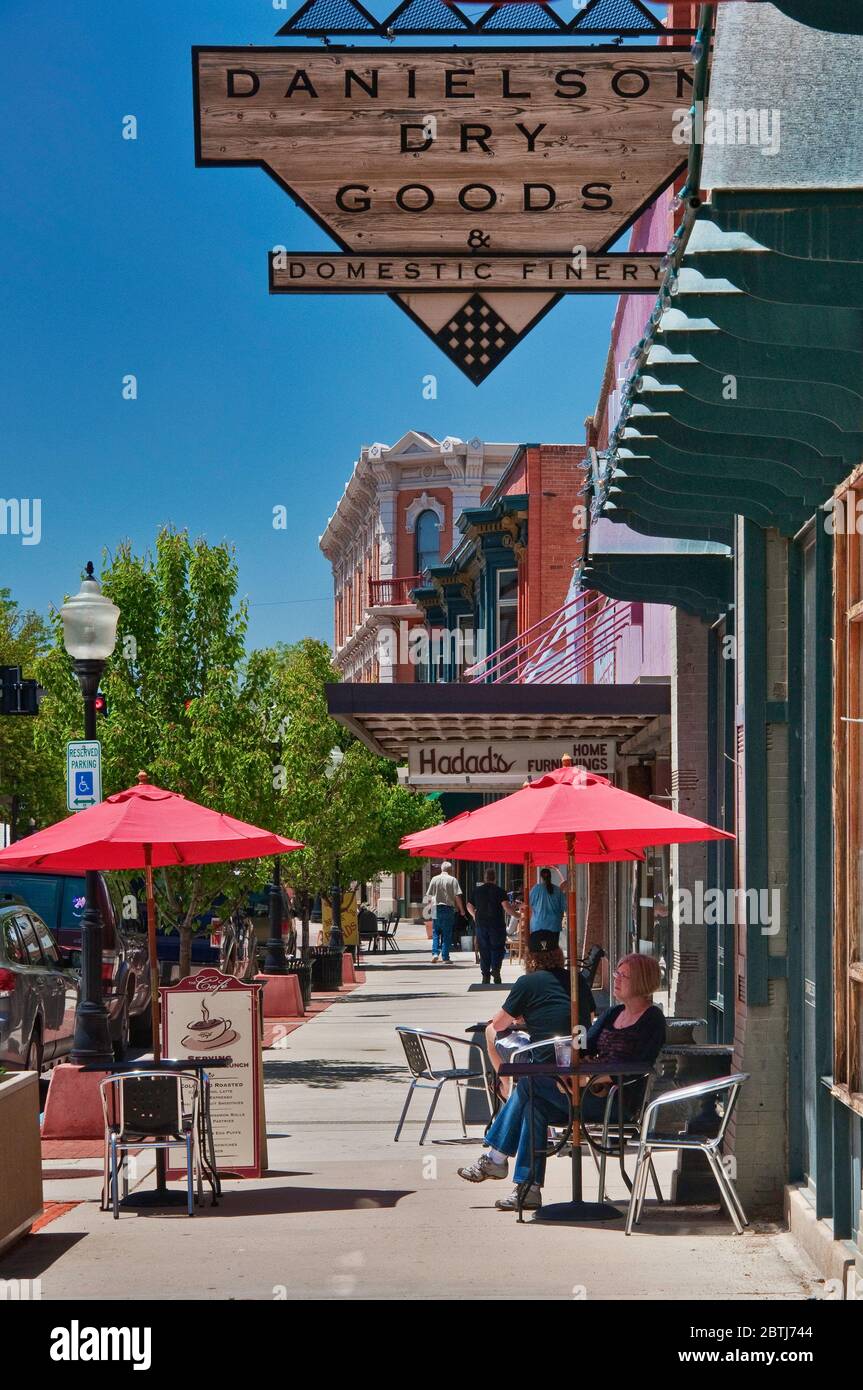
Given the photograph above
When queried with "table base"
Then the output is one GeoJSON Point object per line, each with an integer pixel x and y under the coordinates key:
{"type": "Point", "coordinates": [577, 1212]}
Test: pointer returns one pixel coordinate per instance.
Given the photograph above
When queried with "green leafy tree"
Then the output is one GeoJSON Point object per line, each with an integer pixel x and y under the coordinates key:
{"type": "Point", "coordinates": [177, 705]}
{"type": "Point", "coordinates": [342, 800]}
{"type": "Point", "coordinates": [31, 776]}
{"type": "Point", "coordinates": [247, 735]}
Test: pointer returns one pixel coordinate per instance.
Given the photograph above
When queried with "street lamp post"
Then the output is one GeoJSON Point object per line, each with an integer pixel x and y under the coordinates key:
{"type": "Point", "coordinates": [89, 634]}
{"type": "Point", "coordinates": [337, 940]}
{"type": "Point", "coordinates": [274, 960]}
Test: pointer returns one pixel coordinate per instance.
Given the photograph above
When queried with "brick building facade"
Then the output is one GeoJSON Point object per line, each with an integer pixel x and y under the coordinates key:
{"type": "Point", "coordinates": [395, 517]}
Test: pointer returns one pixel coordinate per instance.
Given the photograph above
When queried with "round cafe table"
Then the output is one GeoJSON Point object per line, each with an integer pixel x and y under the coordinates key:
{"type": "Point", "coordinates": [162, 1195]}
{"type": "Point", "coordinates": [576, 1210]}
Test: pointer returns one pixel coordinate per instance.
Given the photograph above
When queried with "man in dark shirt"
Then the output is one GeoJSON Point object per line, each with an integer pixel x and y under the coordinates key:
{"type": "Point", "coordinates": [489, 907]}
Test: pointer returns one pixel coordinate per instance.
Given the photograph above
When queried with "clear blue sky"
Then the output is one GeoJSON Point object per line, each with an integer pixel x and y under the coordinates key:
{"type": "Point", "coordinates": [121, 257]}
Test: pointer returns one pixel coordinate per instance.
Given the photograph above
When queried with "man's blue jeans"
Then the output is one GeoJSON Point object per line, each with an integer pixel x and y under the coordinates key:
{"type": "Point", "coordinates": [509, 1132]}
{"type": "Point", "coordinates": [444, 921]}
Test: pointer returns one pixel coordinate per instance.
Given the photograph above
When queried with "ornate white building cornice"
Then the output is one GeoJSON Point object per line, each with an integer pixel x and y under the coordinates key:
{"type": "Point", "coordinates": [367, 511]}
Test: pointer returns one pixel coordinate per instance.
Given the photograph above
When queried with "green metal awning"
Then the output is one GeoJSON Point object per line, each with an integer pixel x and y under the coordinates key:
{"type": "Point", "coordinates": [746, 399]}
{"type": "Point", "coordinates": [701, 584]}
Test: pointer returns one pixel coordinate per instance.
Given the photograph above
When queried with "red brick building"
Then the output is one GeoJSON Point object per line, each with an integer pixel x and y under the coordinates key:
{"type": "Point", "coordinates": [395, 519]}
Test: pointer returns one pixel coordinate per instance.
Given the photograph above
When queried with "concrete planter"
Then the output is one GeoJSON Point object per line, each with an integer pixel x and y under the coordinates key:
{"type": "Point", "coordinates": [20, 1156]}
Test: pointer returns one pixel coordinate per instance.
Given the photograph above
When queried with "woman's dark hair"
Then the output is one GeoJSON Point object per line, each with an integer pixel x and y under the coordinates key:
{"type": "Point", "coordinates": [545, 875]}
{"type": "Point", "coordinates": [544, 960]}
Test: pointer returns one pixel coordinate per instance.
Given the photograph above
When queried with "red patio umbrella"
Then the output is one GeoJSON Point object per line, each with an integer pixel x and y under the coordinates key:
{"type": "Point", "coordinates": [144, 827]}
{"type": "Point", "coordinates": [568, 814]}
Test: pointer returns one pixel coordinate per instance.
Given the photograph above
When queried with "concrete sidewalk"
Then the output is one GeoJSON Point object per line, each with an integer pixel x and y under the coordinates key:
{"type": "Point", "coordinates": [346, 1212]}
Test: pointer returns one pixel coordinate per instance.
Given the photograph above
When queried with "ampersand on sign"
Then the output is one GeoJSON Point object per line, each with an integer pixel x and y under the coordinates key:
{"type": "Point", "coordinates": [477, 240]}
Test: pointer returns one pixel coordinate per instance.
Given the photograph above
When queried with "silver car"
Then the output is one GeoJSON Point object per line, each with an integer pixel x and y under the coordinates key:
{"type": "Point", "coordinates": [38, 995]}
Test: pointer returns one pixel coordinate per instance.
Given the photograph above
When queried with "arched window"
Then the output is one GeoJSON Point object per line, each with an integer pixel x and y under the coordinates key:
{"type": "Point", "coordinates": [427, 541]}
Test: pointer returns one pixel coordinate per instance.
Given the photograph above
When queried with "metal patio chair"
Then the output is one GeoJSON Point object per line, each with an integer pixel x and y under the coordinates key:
{"type": "Point", "coordinates": [726, 1088]}
{"type": "Point", "coordinates": [512, 1053]}
{"type": "Point", "coordinates": [430, 1077]}
{"type": "Point", "coordinates": [388, 936]}
{"type": "Point", "coordinates": [597, 1134]}
{"type": "Point", "coordinates": [150, 1109]}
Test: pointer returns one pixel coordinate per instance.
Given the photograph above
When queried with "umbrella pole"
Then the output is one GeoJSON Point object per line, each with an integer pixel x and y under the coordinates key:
{"type": "Point", "coordinates": [576, 1211]}
{"type": "Point", "coordinates": [151, 947]}
{"type": "Point", "coordinates": [524, 936]}
{"type": "Point", "coordinates": [572, 934]}
{"type": "Point", "coordinates": [161, 1164]}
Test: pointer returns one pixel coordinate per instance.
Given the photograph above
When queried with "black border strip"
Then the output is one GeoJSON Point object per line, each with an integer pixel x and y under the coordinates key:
{"type": "Point", "coordinates": [478, 287]}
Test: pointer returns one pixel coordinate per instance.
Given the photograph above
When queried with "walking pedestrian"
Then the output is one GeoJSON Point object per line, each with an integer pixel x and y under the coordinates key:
{"type": "Point", "coordinates": [445, 895]}
{"type": "Point", "coordinates": [547, 904]}
{"type": "Point", "coordinates": [489, 906]}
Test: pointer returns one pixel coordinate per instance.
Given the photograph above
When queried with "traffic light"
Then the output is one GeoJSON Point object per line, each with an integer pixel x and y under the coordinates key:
{"type": "Point", "coordinates": [101, 703]}
{"type": "Point", "coordinates": [18, 696]}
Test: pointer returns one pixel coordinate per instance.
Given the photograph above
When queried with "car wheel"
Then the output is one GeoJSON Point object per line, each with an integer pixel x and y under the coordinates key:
{"type": "Point", "coordinates": [121, 1041]}
{"type": "Point", "coordinates": [33, 1060]}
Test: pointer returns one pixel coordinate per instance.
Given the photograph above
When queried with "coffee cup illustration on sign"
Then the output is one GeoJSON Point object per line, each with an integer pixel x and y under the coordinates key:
{"type": "Point", "coordinates": [206, 1033]}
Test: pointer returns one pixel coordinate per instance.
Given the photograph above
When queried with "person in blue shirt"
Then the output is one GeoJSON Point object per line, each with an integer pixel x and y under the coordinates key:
{"type": "Point", "coordinates": [547, 904]}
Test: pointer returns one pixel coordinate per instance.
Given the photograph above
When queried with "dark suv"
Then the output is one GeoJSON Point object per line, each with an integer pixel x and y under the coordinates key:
{"type": "Point", "coordinates": [59, 900]}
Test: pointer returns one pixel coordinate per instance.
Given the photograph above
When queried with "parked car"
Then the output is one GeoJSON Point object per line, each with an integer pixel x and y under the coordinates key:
{"type": "Point", "coordinates": [38, 994]}
{"type": "Point", "coordinates": [168, 954]}
{"type": "Point", "coordinates": [59, 899]}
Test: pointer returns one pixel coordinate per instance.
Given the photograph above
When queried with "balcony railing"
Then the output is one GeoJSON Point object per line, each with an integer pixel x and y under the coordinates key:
{"type": "Point", "coordinates": [559, 649]}
{"type": "Point", "coordinates": [386, 593]}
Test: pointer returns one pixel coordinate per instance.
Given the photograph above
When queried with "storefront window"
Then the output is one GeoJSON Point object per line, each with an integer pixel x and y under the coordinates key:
{"type": "Point", "coordinates": [507, 606]}
{"type": "Point", "coordinates": [848, 801]}
{"type": "Point", "coordinates": [466, 653]}
{"type": "Point", "coordinates": [427, 541]}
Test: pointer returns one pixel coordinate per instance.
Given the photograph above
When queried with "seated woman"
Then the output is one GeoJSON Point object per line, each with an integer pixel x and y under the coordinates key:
{"type": "Point", "coordinates": [539, 1003]}
{"type": "Point", "coordinates": [631, 1031]}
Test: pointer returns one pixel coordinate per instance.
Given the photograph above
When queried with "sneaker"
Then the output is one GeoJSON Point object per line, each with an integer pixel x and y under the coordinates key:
{"type": "Point", "coordinates": [447, 961]}
{"type": "Point", "coordinates": [532, 1201]}
{"type": "Point", "coordinates": [484, 1168]}
{"type": "Point", "coordinates": [497, 980]}
{"type": "Point", "coordinates": [435, 960]}
{"type": "Point", "coordinates": [486, 979]}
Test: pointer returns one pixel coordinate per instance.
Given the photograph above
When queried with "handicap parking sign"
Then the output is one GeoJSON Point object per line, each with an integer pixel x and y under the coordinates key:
{"type": "Point", "coordinates": [83, 774]}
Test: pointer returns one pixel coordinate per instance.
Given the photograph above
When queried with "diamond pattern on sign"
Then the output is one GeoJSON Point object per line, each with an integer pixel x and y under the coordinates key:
{"type": "Point", "coordinates": [420, 16]}
{"type": "Point", "coordinates": [529, 19]}
{"type": "Point", "coordinates": [477, 339]}
{"type": "Point", "coordinates": [330, 17]}
{"type": "Point", "coordinates": [608, 16]}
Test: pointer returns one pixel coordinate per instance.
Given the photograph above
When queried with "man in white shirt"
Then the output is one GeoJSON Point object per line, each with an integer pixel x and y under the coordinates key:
{"type": "Point", "coordinates": [445, 895]}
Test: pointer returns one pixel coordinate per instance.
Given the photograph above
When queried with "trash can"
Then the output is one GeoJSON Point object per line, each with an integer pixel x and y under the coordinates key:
{"type": "Point", "coordinates": [295, 965]}
{"type": "Point", "coordinates": [326, 968]}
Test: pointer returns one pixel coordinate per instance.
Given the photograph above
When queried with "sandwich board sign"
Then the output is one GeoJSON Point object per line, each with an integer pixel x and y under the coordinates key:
{"type": "Point", "coordinates": [476, 186]}
{"type": "Point", "coordinates": [208, 1016]}
{"type": "Point", "coordinates": [83, 774]}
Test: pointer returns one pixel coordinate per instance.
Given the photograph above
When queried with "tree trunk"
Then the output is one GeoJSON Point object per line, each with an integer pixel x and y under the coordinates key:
{"type": "Point", "coordinates": [185, 951]}
{"type": "Point", "coordinates": [304, 937]}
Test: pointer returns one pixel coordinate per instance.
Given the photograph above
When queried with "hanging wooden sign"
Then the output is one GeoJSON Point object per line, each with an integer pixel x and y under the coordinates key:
{"type": "Point", "coordinates": [507, 157]}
